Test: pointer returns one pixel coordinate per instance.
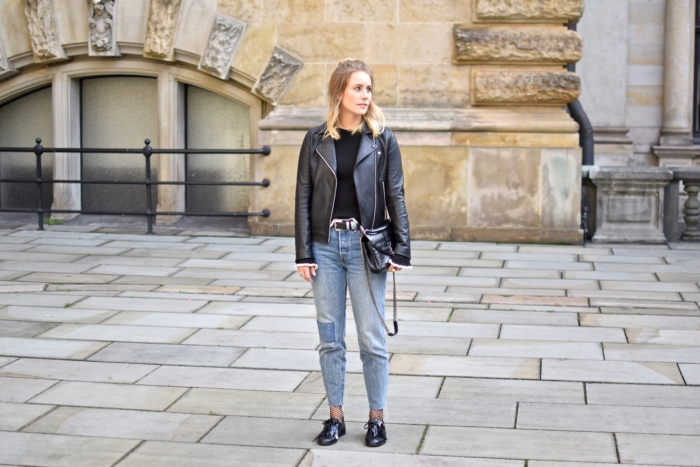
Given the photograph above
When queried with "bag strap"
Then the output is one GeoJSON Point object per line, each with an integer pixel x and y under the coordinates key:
{"type": "Point", "coordinates": [374, 301]}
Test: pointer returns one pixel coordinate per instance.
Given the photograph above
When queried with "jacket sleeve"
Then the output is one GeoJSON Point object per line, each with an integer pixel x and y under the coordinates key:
{"type": "Point", "coordinates": [395, 201]}
{"type": "Point", "coordinates": [302, 204]}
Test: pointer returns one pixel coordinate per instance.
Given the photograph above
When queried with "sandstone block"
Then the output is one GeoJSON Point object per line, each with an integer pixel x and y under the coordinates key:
{"type": "Point", "coordinates": [448, 11]}
{"type": "Point", "coordinates": [444, 86]}
{"type": "Point", "coordinates": [499, 87]}
{"type": "Point", "coordinates": [538, 10]}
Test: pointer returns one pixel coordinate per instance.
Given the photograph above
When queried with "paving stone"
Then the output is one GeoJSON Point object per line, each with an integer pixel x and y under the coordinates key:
{"type": "Point", "coordinates": [14, 247]}
{"type": "Point", "coordinates": [77, 251]}
{"type": "Point", "coordinates": [164, 354]}
{"type": "Point", "coordinates": [112, 396]}
{"type": "Point", "coordinates": [11, 275]}
{"type": "Point", "coordinates": [220, 378]}
{"type": "Point", "coordinates": [408, 280]}
{"type": "Point", "coordinates": [606, 418]}
{"type": "Point", "coordinates": [519, 444]}
{"type": "Point", "coordinates": [97, 241]}
{"type": "Point", "coordinates": [691, 297]}
{"type": "Point", "coordinates": [248, 403]}
{"type": "Point", "coordinates": [658, 449]}
{"type": "Point", "coordinates": [22, 389]}
{"type": "Point", "coordinates": [475, 246]}
{"type": "Point", "coordinates": [286, 359]}
{"type": "Point", "coordinates": [15, 416]}
{"type": "Point", "coordinates": [670, 296]}
{"type": "Point", "coordinates": [548, 283]}
{"type": "Point", "coordinates": [454, 262]}
{"type": "Point", "coordinates": [47, 348]}
{"type": "Point", "coordinates": [525, 300]}
{"type": "Point", "coordinates": [324, 457]}
{"type": "Point", "coordinates": [58, 278]}
{"type": "Point", "coordinates": [663, 253]}
{"type": "Point", "coordinates": [181, 254]}
{"type": "Point", "coordinates": [607, 302]}
{"type": "Point", "coordinates": [116, 288]}
{"type": "Point", "coordinates": [76, 371]}
{"type": "Point", "coordinates": [475, 367]}
{"type": "Point", "coordinates": [277, 340]}
{"type": "Point", "coordinates": [610, 276]}
{"type": "Point", "coordinates": [54, 233]}
{"type": "Point", "coordinates": [424, 345]}
{"type": "Point", "coordinates": [117, 333]}
{"type": "Point", "coordinates": [6, 360]}
{"type": "Point", "coordinates": [189, 293]}
{"type": "Point", "coordinates": [267, 291]}
{"type": "Point", "coordinates": [547, 308]}
{"type": "Point", "coordinates": [578, 464]}
{"type": "Point", "coordinates": [141, 304]}
{"type": "Point", "coordinates": [62, 451]}
{"type": "Point", "coordinates": [509, 291]}
{"type": "Point", "coordinates": [649, 286]}
{"type": "Point", "coordinates": [495, 390]}
{"type": "Point", "coordinates": [161, 281]}
{"type": "Point", "coordinates": [643, 395]}
{"type": "Point", "coordinates": [493, 272]}
{"type": "Point", "coordinates": [552, 265]}
{"type": "Point", "coordinates": [514, 317]}
{"type": "Point", "coordinates": [163, 454]}
{"type": "Point", "coordinates": [38, 299]}
{"type": "Point", "coordinates": [227, 240]}
{"type": "Point", "coordinates": [14, 288]}
{"type": "Point", "coordinates": [562, 333]}
{"type": "Point", "coordinates": [649, 311]}
{"type": "Point", "coordinates": [40, 256]}
{"type": "Point", "coordinates": [124, 424]}
{"type": "Point", "coordinates": [449, 297]}
{"type": "Point", "coordinates": [662, 336]}
{"type": "Point", "coordinates": [647, 322]}
{"type": "Point", "coordinates": [134, 270]}
{"type": "Point", "coordinates": [557, 249]}
{"type": "Point", "coordinates": [691, 373]}
{"type": "Point", "coordinates": [21, 328]}
{"type": "Point", "coordinates": [652, 353]}
{"type": "Point", "coordinates": [52, 315]}
{"type": "Point", "coordinates": [178, 320]}
{"type": "Point", "coordinates": [129, 261]}
{"type": "Point", "coordinates": [621, 259]}
{"type": "Point", "coordinates": [44, 267]}
{"type": "Point", "coordinates": [535, 257]}
{"type": "Point", "coordinates": [535, 349]}
{"type": "Point", "coordinates": [223, 264]}
{"type": "Point", "coordinates": [656, 268]}
{"type": "Point", "coordinates": [155, 244]}
{"type": "Point", "coordinates": [610, 372]}
{"type": "Point", "coordinates": [671, 277]}
{"type": "Point", "coordinates": [399, 386]}
{"type": "Point", "coordinates": [14, 240]}
{"type": "Point", "coordinates": [227, 274]}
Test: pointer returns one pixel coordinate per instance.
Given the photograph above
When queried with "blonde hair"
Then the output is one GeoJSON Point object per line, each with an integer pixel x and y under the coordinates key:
{"type": "Point", "coordinates": [373, 118]}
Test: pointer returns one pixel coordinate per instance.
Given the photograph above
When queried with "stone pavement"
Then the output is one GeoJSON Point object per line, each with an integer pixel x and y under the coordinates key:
{"type": "Point", "coordinates": [197, 349]}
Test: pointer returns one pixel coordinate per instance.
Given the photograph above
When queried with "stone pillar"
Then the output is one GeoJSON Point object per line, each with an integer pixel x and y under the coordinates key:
{"type": "Point", "coordinates": [678, 96]}
{"type": "Point", "coordinates": [66, 131]}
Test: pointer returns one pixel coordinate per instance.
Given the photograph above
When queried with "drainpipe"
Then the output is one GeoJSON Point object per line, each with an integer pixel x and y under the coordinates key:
{"type": "Point", "coordinates": [585, 132]}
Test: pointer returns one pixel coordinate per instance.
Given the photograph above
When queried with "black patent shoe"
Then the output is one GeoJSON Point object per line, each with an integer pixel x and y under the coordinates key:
{"type": "Point", "coordinates": [332, 430]}
{"type": "Point", "coordinates": [376, 433]}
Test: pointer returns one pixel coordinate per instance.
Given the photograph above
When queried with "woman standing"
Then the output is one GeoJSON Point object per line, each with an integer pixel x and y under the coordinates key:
{"type": "Point", "coordinates": [349, 176]}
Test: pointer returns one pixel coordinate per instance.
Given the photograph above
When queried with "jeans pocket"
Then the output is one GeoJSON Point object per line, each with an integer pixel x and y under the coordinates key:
{"type": "Point", "coordinates": [326, 331]}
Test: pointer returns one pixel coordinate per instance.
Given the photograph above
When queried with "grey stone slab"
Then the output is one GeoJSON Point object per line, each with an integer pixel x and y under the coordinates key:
{"type": "Point", "coordinates": [47, 348]}
{"type": "Point", "coordinates": [496, 390]}
{"type": "Point", "coordinates": [514, 317]}
{"type": "Point", "coordinates": [626, 303]}
{"type": "Point", "coordinates": [622, 294]}
{"type": "Point", "coordinates": [221, 264]}
{"type": "Point", "coordinates": [76, 371]}
{"type": "Point", "coordinates": [494, 272]}
{"type": "Point", "coordinates": [16, 240]}
{"type": "Point", "coordinates": [13, 287]}
{"type": "Point", "coordinates": [515, 283]}
{"type": "Point", "coordinates": [610, 372]}
{"type": "Point", "coordinates": [691, 373]}
{"type": "Point", "coordinates": [139, 318]}
{"type": "Point", "coordinates": [561, 333]}
{"type": "Point", "coordinates": [249, 291]}
{"type": "Point", "coordinates": [652, 253]}
{"type": "Point", "coordinates": [40, 256]}
{"type": "Point", "coordinates": [287, 359]}
{"type": "Point", "coordinates": [141, 304]}
{"type": "Point", "coordinates": [80, 242]}
{"type": "Point", "coordinates": [44, 267]}
{"type": "Point", "coordinates": [239, 256]}
{"type": "Point", "coordinates": [15, 416]}
{"type": "Point", "coordinates": [128, 261]}
{"type": "Point", "coordinates": [276, 340]}
{"type": "Point", "coordinates": [656, 268]}
{"type": "Point", "coordinates": [322, 457]}
{"type": "Point", "coordinates": [248, 403]}
{"type": "Point", "coordinates": [662, 336]}
{"type": "Point", "coordinates": [165, 354]}
{"type": "Point", "coordinates": [153, 239]}
{"type": "Point", "coordinates": [11, 275]}
{"type": "Point", "coordinates": [227, 274]}
{"type": "Point", "coordinates": [97, 290]}
{"type": "Point", "coordinates": [452, 281]}
{"type": "Point", "coordinates": [181, 254]}
{"type": "Point", "coordinates": [474, 246]}
{"type": "Point", "coordinates": [535, 349]}
{"type": "Point", "coordinates": [129, 424]}
{"type": "Point", "coordinates": [155, 245]}
{"type": "Point", "coordinates": [649, 311]}
{"type": "Point", "coordinates": [163, 454]}
{"type": "Point", "coordinates": [649, 286]}
{"type": "Point", "coordinates": [14, 247]}
{"type": "Point", "coordinates": [550, 265]}
{"type": "Point", "coordinates": [452, 412]}
{"type": "Point", "coordinates": [529, 257]}
{"type": "Point", "coordinates": [116, 333]}
{"type": "Point", "coordinates": [441, 271]}
{"type": "Point", "coordinates": [669, 277]}
{"type": "Point", "coordinates": [399, 386]}
{"type": "Point", "coordinates": [578, 464]}
{"type": "Point", "coordinates": [509, 291]}
{"type": "Point", "coordinates": [564, 249]}
{"type": "Point", "coordinates": [162, 281]}
{"type": "Point", "coordinates": [22, 389]}
{"type": "Point", "coordinates": [519, 444]}
{"type": "Point", "coordinates": [652, 353]}
{"type": "Point", "coordinates": [58, 278]}
{"type": "Point", "coordinates": [456, 262]}
{"type": "Point", "coordinates": [658, 449]}
{"type": "Point", "coordinates": [289, 433]}
{"type": "Point", "coordinates": [62, 451]}
{"type": "Point", "coordinates": [547, 308]}
{"type": "Point", "coordinates": [22, 328]}
{"type": "Point", "coordinates": [246, 241]}
{"type": "Point", "coordinates": [112, 396]}
{"type": "Point", "coordinates": [184, 295]}
{"type": "Point", "coordinates": [53, 233]}
{"type": "Point", "coordinates": [133, 270]}
{"type": "Point", "coordinates": [610, 276]}
{"type": "Point", "coordinates": [621, 259]}
{"type": "Point", "coordinates": [43, 299]}
{"type": "Point", "coordinates": [643, 395]}
{"type": "Point", "coordinates": [423, 345]}
{"type": "Point", "coordinates": [475, 367]}
{"type": "Point", "coordinates": [691, 297]}
{"type": "Point", "coordinates": [53, 315]}
{"type": "Point", "coordinates": [607, 418]}
{"type": "Point", "coordinates": [6, 361]}
{"type": "Point", "coordinates": [448, 297]}
{"type": "Point", "coordinates": [55, 251]}
{"type": "Point", "coordinates": [230, 378]}
{"type": "Point", "coordinates": [640, 321]}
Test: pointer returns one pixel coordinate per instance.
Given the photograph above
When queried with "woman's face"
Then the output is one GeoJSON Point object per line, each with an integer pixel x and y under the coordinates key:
{"type": "Point", "coordinates": [358, 94]}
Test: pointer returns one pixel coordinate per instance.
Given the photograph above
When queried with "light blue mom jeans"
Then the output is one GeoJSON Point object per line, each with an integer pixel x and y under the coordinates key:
{"type": "Point", "coordinates": [340, 268]}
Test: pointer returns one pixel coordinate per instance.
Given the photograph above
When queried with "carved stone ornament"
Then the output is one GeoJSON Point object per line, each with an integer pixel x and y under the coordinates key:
{"type": "Point", "coordinates": [163, 16]}
{"type": "Point", "coordinates": [225, 37]}
{"type": "Point", "coordinates": [512, 46]}
{"type": "Point", "coordinates": [101, 25]}
{"type": "Point", "coordinates": [5, 65]}
{"type": "Point", "coordinates": [42, 29]}
{"type": "Point", "coordinates": [278, 76]}
{"type": "Point", "coordinates": [524, 87]}
{"type": "Point", "coordinates": [538, 10]}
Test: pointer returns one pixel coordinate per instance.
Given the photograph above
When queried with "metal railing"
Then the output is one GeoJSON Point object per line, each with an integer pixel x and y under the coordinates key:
{"type": "Point", "coordinates": [147, 152]}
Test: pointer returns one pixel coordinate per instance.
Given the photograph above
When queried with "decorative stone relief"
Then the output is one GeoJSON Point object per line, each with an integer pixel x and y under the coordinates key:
{"type": "Point", "coordinates": [42, 29]}
{"type": "Point", "coordinates": [6, 67]}
{"type": "Point", "coordinates": [278, 76]}
{"type": "Point", "coordinates": [490, 45]}
{"type": "Point", "coordinates": [101, 24]}
{"type": "Point", "coordinates": [163, 16]}
{"type": "Point", "coordinates": [537, 10]}
{"type": "Point", "coordinates": [225, 37]}
{"type": "Point", "coordinates": [524, 87]}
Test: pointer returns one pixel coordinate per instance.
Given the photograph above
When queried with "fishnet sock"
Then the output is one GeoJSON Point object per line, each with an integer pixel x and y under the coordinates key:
{"type": "Point", "coordinates": [337, 412]}
{"type": "Point", "coordinates": [376, 415]}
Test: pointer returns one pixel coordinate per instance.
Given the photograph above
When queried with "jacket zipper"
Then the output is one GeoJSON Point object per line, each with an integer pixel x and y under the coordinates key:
{"type": "Point", "coordinates": [374, 212]}
{"type": "Point", "coordinates": [387, 217]}
{"type": "Point", "coordinates": [335, 189]}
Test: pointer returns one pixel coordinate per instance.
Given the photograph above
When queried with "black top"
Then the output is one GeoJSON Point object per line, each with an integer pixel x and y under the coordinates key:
{"type": "Point", "coordinates": [346, 205]}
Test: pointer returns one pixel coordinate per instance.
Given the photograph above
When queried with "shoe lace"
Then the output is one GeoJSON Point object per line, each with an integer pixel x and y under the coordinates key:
{"type": "Point", "coordinates": [373, 427]}
{"type": "Point", "coordinates": [327, 426]}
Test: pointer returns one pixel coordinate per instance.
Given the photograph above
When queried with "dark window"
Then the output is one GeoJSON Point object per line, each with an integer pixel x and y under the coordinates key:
{"type": "Point", "coordinates": [696, 90]}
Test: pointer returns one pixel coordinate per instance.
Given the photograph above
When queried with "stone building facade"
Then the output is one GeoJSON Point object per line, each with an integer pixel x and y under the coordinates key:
{"type": "Point", "coordinates": [475, 91]}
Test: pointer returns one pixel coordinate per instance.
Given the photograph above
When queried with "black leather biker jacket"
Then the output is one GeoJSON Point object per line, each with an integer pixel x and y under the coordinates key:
{"type": "Point", "coordinates": [378, 181]}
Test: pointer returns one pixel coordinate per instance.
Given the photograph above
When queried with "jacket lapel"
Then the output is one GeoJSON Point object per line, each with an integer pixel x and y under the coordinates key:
{"type": "Point", "coordinates": [327, 149]}
{"type": "Point", "coordinates": [366, 148]}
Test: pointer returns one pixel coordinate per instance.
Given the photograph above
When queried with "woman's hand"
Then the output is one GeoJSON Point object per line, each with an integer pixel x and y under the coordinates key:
{"type": "Point", "coordinates": [306, 272]}
{"type": "Point", "coordinates": [393, 268]}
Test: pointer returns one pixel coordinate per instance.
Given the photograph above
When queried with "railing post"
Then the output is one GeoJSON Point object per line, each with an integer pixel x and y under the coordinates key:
{"type": "Point", "coordinates": [692, 211]}
{"type": "Point", "coordinates": [147, 151]}
{"type": "Point", "coordinates": [39, 150]}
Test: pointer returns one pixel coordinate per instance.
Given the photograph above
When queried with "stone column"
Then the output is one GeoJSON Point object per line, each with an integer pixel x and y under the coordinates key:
{"type": "Point", "coordinates": [66, 131]}
{"type": "Point", "coordinates": [678, 96]}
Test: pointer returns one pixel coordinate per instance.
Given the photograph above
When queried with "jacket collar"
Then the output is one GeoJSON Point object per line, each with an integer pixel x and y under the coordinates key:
{"type": "Point", "coordinates": [327, 147]}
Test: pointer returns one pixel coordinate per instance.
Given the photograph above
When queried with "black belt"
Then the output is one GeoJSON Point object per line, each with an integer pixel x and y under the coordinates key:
{"type": "Point", "coordinates": [345, 224]}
